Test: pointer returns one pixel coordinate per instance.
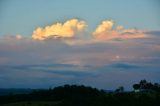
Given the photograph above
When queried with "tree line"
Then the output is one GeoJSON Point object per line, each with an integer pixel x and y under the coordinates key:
{"type": "Point", "coordinates": [79, 95]}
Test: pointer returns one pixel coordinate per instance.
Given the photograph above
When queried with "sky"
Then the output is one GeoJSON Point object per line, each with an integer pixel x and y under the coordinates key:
{"type": "Point", "coordinates": [23, 16]}
{"type": "Point", "coordinates": [99, 43]}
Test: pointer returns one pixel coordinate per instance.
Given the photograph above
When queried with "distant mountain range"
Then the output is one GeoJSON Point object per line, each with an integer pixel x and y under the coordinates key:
{"type": "Point", "coordinates": [12, 91]}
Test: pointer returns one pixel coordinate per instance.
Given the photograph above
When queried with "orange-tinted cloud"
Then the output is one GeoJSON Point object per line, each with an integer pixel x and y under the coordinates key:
{"type": "Point", "coordinates": [106, 31]}
{"type": "Point", "coordinates": [60, 30]}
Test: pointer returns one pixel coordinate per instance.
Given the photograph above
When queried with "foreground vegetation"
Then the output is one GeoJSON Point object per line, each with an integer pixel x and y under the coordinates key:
{"type": "Point", "coordinates": [33, 103]}
{"type": "Point", "coordinates": [74, 95]}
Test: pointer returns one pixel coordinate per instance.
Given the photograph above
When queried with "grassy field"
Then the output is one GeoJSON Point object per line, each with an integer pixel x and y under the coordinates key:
{"type": "Point", "coordinates": [33, 103]}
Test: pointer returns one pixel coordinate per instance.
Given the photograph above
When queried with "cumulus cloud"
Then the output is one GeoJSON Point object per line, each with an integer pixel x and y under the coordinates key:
{"type": "Point", "coordinates": [107, 31]}
{"type": "Point", "coordinates": [67, 29]}
{"type": "Point", "coordinates": [105, 26]}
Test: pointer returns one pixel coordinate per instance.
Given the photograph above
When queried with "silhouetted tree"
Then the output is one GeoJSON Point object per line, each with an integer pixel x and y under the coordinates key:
{"type": "Point", "coordinates": [136, 86]}
{"type": "Point", "coordinates": [120, 89]}
{"type": "Point", "coordinates": [146, 86]}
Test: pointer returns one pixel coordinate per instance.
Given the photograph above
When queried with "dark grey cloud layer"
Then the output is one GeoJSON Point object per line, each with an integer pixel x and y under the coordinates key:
{"type": "Point", "coordinates": [41, 64]}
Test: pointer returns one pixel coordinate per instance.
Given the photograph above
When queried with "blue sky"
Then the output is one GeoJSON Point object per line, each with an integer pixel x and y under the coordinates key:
{"type": "Point", "coordinates": [23, 16]}
{"type": "Point", "coordinates": [100, 43]}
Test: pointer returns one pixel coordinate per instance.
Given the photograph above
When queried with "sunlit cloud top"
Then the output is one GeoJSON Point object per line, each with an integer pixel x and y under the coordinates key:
{"type": "Point", "coordinates": [73, 27]}
{"type": "Point", "coordinates": [60, 30]}
{"type": "Point", "coordinates": [106, 31]}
